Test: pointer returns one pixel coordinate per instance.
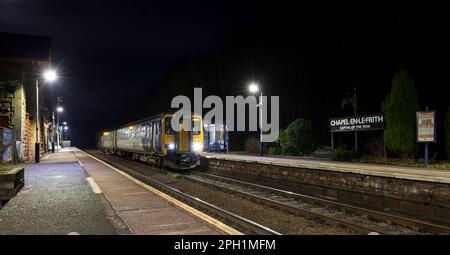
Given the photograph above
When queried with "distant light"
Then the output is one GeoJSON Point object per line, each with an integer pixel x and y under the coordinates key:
{"type": "Point", "coordinates": [64, 123]}
{"type": "Point", "coordinates": [59, 109]}
{"type": "Point", "coordinates": [253, 88]}
{"type": "Point", "coordinates": [105, 133]}
{"type": "Point", "coordinates": [171, 146]}
{"type": "Point", "coordinates": [66, 127]}
{"type": "Point", "coordinates": [130, 127]}
{"type": "Point", "coordinates": [50, 75]}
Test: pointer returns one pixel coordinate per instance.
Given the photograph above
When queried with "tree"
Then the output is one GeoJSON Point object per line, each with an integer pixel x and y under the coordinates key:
{"type": "Point", "coordinates": [447, 132]}
{"type": "Point", "coordinates": [400, 110]}
{"type": "Point", "coordinates": [297, 139]}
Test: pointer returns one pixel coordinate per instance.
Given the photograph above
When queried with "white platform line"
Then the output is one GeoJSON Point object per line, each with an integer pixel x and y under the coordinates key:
{"type": "Point", "coordinates": [95, 188]}
{"type": "Point", "coordinates": [218, 224]}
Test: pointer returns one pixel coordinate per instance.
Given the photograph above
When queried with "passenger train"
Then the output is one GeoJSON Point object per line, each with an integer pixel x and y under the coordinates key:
{"type": "Point", "coordinates": [154, 141]}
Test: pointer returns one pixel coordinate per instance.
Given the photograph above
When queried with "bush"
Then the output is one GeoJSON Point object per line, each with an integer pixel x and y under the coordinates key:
{"type": "Point", "coordinates": [375, 147]}
{"type": "Point", "coordinates": [400, 110]}
{"type": "Point", "coordinates": [273, 148]}
{"type": "Point", "coordinates": [252, 145]}
{"type": "Point", "coordinates": [447, 132]}
{"type": "Point", "coordinates": [325, 149]}
{"type": "Point", "coordinates": [297, 139]}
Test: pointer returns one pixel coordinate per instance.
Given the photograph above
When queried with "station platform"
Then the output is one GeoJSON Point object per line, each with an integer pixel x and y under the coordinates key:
{"type": "Point", "coordinates": [71, 192]}
{"type": "Point", "coordinates": [398, 172]}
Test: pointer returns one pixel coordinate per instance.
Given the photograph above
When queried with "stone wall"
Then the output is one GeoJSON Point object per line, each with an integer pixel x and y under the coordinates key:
{"type": "Point", "coordinates": [426, 200]}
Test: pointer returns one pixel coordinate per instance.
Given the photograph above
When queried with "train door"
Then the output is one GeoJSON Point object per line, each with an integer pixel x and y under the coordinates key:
{"type": "Point", "coordinates": [184, 138]}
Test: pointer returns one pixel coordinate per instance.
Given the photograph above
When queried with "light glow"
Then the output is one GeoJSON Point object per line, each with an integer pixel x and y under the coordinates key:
{"type": "Point", "coordinates": [196, 146]}
{"type": "Point", "coordinates": [50, 75]}
{"type": "Point", "coordinates": [253, 88]}
{"type": "Point", "coordinates": [59, 109]}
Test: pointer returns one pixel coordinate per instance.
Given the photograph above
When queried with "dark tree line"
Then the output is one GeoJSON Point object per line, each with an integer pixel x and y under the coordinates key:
{"type": "Point", "coordinates": [312, 54]}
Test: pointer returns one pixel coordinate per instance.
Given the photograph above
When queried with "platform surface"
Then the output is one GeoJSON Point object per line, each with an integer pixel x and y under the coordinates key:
{"type": "Point", "coordinates": [410, 173]}
{"type": "Point", "coordinates": [56, 200]}
{"type": "Point", "coordinates": [143, 211]}
{"type": "Point", "coordinates": [70, 192]}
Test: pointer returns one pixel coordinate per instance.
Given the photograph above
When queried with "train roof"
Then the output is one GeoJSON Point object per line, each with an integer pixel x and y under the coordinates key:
{"type": "Point", "coordinates": [147, 119]}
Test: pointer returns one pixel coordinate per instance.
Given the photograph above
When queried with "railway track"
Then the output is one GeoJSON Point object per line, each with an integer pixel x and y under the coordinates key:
{"type": "Point", "coordinates": [356, 218]}
{"type": "Point", "coordinates": [227, 217]}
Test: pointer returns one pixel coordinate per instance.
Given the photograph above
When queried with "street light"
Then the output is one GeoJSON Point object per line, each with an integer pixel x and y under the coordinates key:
{"type": "Point", "coordinates": [59, 109]}
{"type": "Point", "coordinates": [49, 76]}
{"type": "Point", "coordinates": [254, 88]}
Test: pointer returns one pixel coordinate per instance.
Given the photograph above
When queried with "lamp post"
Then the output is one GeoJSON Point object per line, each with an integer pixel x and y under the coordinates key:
{"type": "Point", "coordinates": [64, 131]}
{"type": "Point", "coordinates": [49, 76]}
{"type": "Point", "coordinates": [59, 109]}
{"type": "Point", "coordinates": [254, 88]}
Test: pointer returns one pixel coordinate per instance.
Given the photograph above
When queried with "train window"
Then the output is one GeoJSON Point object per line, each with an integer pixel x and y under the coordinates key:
{"type": "Point", "coordinates": [196, 127]}
{"type": "Point", "coordinates": [168, 126]}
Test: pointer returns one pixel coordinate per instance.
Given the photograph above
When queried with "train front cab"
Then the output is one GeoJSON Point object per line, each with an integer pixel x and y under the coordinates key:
{"type": "Point", "coordinates": [181, 150]}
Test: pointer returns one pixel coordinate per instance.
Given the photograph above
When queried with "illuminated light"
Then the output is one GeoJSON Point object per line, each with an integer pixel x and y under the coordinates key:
{"type": "Point", "coordinates": [64, 123]}
{"type": "Point", "coordinates": [170, 146]}
{"type": "Point", "coordinates": [197, 146]}
{"type": "Point", "coordinates": [50, 75]}
{"type": "Point", "coordinates": [253, 88]}
{"type": "Point", "coordinates": [130, 127]}
{"type": "Point", "coordinates": [59, 109]}
{"type": "Point", "coordinates": [105, 133]}
{"type": "Point", "coordinates": [66, 128]}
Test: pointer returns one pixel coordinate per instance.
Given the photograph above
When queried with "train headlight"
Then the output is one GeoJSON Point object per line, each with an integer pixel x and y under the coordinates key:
{"type": "Point", "coordinates": [170, 146]}
{"type": "Point", "coordinates": [196, 146]}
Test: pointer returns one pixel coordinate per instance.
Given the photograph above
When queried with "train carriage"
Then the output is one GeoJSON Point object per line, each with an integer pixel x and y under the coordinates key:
{"type": "Point", "coordinates": [154, 141]}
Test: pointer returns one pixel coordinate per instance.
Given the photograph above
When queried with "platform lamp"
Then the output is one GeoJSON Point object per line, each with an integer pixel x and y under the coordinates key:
{"type": "Point", "coordinates": [49, 76]}
{"type": "Point", "coordinates": [254, 88]}
{"type": "Point", "coordinates": [59, 109]}
{"type": "Point", "coordinates": [65, 129]}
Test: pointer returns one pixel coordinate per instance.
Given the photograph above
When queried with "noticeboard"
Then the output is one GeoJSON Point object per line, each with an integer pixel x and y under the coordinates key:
{"type": "Point", "coordinates": [357, 123]}
{"type": "Point", "coordinates": [6, 143]}
{"type": "Point", "coordinates": [426, 127]}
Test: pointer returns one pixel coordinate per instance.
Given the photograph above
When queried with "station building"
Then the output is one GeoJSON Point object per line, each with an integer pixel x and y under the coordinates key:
{"type": "Point", "coordinates": [22, 60]}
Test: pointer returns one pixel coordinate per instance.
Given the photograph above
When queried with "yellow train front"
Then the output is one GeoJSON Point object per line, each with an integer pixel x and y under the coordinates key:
{"type": "Point", "coordinates": [181, 149]}
{"type": "Point", "coordinates": [154, 141]}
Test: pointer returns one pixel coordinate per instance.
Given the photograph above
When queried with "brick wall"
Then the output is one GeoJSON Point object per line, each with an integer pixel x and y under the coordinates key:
{"type": "Point", "coordinates": [420, 199]}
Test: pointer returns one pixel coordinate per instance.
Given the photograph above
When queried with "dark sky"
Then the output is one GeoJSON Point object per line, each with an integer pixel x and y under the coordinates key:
{"type": "Point", "coordinates": [108, 50]}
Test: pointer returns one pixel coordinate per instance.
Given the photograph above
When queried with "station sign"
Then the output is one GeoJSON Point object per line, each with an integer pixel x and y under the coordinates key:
{"type": "Point", "coordinates": [357, 123]}
{"type": "Point", "coordinates": [426, 128]}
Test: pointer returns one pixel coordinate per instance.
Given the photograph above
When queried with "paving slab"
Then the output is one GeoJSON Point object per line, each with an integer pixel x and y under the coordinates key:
{"type": "Point", "coordinates": [143, 211]}
{"type": "Point", "coordinates": [56, 200]}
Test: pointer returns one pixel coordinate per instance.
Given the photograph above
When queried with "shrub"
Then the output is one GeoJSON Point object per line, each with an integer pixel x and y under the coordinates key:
{"type": "Point", "coordinates": [273, 148]}
{"type": "Point", "coordinates": [297, 138]}
{"type": "Point", "coordinates": [400, 110]}
{"type": "Point", "coordinates": [252, 145]}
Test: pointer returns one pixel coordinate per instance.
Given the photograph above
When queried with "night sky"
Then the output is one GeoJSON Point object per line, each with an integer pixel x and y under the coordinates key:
{"type": "Point", "coordinates": [106, 51]}
{"type": "Point", "coordinates": [311, 53]}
